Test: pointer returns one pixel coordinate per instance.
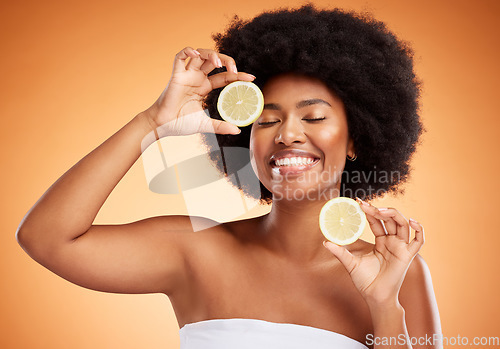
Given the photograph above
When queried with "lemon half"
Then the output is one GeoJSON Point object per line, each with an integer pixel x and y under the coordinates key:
{"type": "Point", "coordinates": [342, 221]}
{"type": "Point", "coordinates": [240, 103]}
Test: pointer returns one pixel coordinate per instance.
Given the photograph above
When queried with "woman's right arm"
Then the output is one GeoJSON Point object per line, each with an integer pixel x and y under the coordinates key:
{"type": "Point", "coordinates": [141, 257]}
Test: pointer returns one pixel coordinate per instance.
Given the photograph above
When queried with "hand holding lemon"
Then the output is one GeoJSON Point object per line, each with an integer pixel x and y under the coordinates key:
{"type": "Point", "coordinates": [379, 274]}
{"type": "Point", "coordinates": [179, 110]}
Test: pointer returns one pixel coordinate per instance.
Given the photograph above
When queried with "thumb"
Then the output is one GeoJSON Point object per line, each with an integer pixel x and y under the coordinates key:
{"type": "Point", "coordinates": [222, 127]}
{"type": "Point", "coordinates": [343, 255]}
{"type": "Point", "coordinates": [197, 122]}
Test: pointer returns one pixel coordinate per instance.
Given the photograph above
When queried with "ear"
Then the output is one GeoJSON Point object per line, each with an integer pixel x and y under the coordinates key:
{"type": "Point", "coordinates": [351, 152]}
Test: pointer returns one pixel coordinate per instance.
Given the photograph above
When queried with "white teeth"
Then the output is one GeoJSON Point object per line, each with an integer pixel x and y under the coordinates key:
{"type": "Point", "coordinates": [293, 161]}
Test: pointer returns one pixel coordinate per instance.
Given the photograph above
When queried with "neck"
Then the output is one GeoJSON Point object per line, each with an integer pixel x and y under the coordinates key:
{"type": "Point", "coordinates": [291, 229]}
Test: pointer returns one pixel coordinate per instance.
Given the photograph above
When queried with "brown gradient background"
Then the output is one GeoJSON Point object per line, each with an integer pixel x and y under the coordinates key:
{"type": "Point", "coordinates": [72, 73]}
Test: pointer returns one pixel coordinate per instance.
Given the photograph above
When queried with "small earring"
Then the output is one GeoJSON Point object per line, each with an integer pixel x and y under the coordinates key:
{"type": "Point", "coordinates": [353, 158]}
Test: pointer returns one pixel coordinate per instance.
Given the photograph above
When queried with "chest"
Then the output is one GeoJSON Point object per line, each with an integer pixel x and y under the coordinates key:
{"type": "Point", "coordinates": [256, 286]}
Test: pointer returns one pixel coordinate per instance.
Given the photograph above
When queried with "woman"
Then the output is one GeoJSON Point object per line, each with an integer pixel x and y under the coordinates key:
{"type": "Point", "coordinates": [338, 89]}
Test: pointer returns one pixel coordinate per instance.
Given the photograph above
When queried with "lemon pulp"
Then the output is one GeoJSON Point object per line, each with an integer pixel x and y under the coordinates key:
{"type": "Point", "coordinates": [342, 221]}
{"type": "Point", "coordinates": [240, 103]}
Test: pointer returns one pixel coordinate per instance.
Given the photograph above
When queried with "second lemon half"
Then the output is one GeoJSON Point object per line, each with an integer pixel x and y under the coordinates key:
{"type": "Point", "coordinates": [342, 221]}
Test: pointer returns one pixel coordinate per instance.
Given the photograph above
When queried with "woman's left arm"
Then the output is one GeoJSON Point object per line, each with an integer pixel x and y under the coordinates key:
{"type": "Point", "coordinates": [395, 282]}
{"type": "Point", "coordinates": [419, 302]}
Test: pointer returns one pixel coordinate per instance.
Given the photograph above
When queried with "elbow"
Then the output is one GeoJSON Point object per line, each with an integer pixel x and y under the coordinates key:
{"type": "Point", "coordinates": [38, 243]}
{"type": "Point", "coordinates": [31, 235]}
{"type": "Point", "coordinates": [21, 235]}
{"type": "Point", "coordinates": [29, 240]}
{"type": "Point", "coordinates": [33, 248]}
{"type": "Point", "coordinates": [23, 238]}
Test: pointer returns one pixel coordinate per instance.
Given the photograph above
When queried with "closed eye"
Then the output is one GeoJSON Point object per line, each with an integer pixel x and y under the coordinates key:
{"type": "Point", "coordinates": [264, 123]}
{"type": "Point", "coordinates": [315, 119]}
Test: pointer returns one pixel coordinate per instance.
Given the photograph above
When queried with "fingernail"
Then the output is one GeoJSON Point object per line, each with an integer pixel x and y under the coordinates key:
{"type": "Point", "coordinates": [253, 76]}
{"type": "Point", "coordinates": [195, 51]}
{"type": "Point", "coordinates": [234, 70]}
{"type": "Point", "coordinates": [382, 208]}
{"type": "Point", "coordinates": [412, 220]}
{"type": "Point", "coordinates": [324, 243]}
{"type": "Point", "coordinates": [219, 63]}
{"type": "Point", "coordinates": [364, 203]}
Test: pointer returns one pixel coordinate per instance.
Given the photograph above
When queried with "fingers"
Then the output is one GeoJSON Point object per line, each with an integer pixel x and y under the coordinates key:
{"type": "Point", "coordinates": [419, 239]}
{"type": "Point", "coordinates": [204, 124]}
{"type": "Point", "coordinates": [209, 125]}
{"type": "Point", "coordinates": [222, 79]}
{"type": "Point", "coordinates": [222, 127]}
{"type": "Point", "coordinates": [394, 223]}
{"type": "Point", "coordinates": [222, 60]}
{"type": "Point", "coordinates": [229, 63]}
{"type": "Point", "coordinates": [389, 223]}
{"type": "Point", "coordinates": [376, 225]}
{"type": "Point", "coordinates": [217, 60]}
{"type": "Point", "coordinates": [344, 256]}
{"type": "Point", "coordinates": [208, 66]}
{"type": "Point", "coordinates": [182, 56]}
{"type": "Point", "coordinates": [195, 122]}
{"type": "Point", "coordinates": [208, 60]}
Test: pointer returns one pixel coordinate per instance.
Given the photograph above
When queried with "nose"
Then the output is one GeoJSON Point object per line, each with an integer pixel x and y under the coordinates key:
{"type": "Point", "coordinates": [289, 132]}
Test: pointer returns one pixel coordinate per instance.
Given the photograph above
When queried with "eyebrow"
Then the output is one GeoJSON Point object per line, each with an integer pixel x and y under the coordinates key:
{"type": "Point", "coordinates": [301, 104]}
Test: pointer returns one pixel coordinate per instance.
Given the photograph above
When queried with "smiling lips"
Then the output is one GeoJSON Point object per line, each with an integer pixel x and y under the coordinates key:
{"type": "Point", "coordinates": [292, 161]}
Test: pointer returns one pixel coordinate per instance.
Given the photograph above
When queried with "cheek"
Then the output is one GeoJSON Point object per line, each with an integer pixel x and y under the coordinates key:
{"type": "Point", "coordinates": [332, 140]}
{"type": "Point", "coordinates": [261, 145]}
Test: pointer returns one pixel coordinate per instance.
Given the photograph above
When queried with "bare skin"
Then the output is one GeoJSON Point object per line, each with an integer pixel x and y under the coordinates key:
{"type": "Point", "coordinates": [273, 267]}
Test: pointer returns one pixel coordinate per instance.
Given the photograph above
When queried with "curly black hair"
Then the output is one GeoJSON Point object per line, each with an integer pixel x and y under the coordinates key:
{"type": "Point", "coordinates": [360, 60]}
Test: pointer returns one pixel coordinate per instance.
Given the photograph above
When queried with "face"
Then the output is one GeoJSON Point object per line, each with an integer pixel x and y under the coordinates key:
{"type": "Point", "coordinates": [300, 142]}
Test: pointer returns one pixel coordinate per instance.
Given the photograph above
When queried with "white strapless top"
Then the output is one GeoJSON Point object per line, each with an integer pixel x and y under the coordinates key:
{"type": "Point", "coordinates": [260, 334]}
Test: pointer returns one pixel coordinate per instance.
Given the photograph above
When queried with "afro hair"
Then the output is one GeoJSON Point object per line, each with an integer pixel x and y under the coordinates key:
{"type": "Point", "coordinates": [360, 60]}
